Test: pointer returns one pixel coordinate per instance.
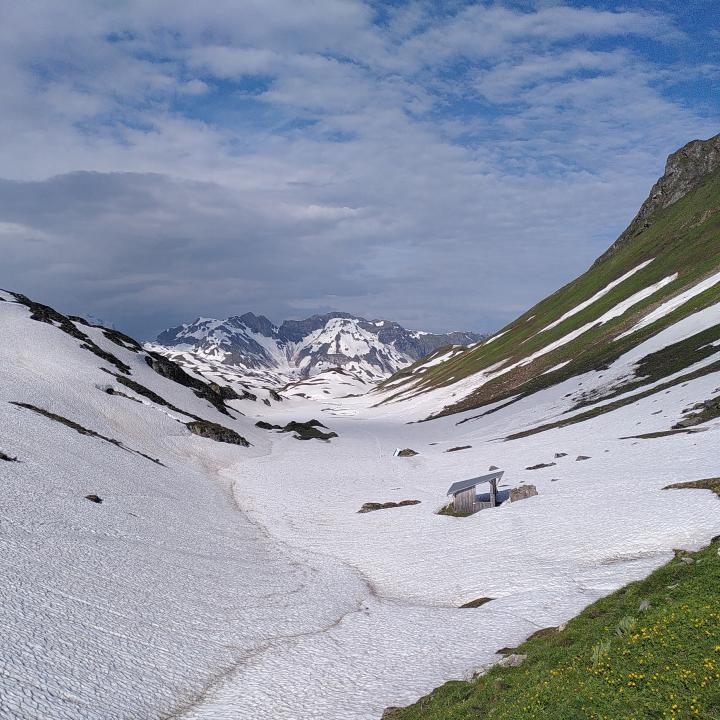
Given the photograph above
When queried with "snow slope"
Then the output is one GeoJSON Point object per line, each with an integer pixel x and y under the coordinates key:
{"type": "Point", "coordinates": [235, 582]}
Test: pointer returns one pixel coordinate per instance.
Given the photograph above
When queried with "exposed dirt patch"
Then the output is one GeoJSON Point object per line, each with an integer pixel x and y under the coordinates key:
{"type": "Point", "coordinates": [371, 506]}
{"type": "Point", "coordinates": [478, 602]}
{"type": "Point", "coordinates": [663, 433]}
{"type": "Point", "coordinates": [712, 484]}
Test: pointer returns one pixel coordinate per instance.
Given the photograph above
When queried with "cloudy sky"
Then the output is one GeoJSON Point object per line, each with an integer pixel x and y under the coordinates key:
{"type": "Point", "coordinates": [444, 164]}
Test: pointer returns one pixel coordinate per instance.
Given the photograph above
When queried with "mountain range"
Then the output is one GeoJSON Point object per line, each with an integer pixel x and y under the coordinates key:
{"type": "Point", "coordinates": [251, 350]}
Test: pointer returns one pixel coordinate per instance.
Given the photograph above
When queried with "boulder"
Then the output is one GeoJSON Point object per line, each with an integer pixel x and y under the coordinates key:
{"type": "Point", "coordinates": [94, 498]}
{"type": "Point", "coordinates": [407, 452]}
{"type": "Point", "coordinates": [513, 660]}
{"type": "Point", "coordinates": [522, 492]}
{"type": "Point", "coordinates": [214, 431]}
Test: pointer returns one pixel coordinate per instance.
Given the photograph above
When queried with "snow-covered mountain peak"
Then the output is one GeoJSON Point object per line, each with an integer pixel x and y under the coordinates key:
{"type": "Point", "coordinates": [250, 348]}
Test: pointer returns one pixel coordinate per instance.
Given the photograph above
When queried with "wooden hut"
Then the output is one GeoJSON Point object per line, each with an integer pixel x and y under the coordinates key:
{"type": "Point", "coordinates": [465, 495]}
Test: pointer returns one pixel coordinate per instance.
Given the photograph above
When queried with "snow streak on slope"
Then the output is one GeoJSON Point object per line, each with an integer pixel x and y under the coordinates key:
{"type": "Point", "coordinates": [678, 301]}
{"type": "Point", "coordinates": [468, 385]}
{"type": "Point", "coordinates": [596, 296]}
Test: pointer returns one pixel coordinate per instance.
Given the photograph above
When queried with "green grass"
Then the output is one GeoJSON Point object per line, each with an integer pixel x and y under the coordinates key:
{"type": "Point", "coordinates": [649, 651]}
{"type": "Point", "coordinates": [684, 238]}
{"type": "Point", "coordinates": [712, 484]}
{"type": "Point", "coordinates": [450, 511]}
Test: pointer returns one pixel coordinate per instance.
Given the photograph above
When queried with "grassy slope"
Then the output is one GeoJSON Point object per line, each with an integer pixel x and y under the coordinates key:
{"type": "Point", "coordinates": [650, 650]}
{"type": "Point", "coordinates": [683, 238]}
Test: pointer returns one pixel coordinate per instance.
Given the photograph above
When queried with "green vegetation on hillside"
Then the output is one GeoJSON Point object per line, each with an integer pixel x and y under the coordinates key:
{"type": "Point", "coordinates": [649, 651]}
{"type": "Point", "coordinates": [683, 238]}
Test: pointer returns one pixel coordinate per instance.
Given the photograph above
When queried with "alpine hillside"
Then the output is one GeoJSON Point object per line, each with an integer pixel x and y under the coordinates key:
{"type": "Point", "coordinates": [664, 269]}
{"type": "Point", "coordinates": [251, 350]}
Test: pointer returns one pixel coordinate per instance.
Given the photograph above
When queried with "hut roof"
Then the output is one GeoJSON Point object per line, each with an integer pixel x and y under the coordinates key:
{"type": "Point", "coordinates": [461, 485]}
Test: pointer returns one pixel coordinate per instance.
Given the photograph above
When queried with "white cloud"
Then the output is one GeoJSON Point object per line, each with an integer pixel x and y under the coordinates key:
{"type": "Point", "coordinates": [362, 169]}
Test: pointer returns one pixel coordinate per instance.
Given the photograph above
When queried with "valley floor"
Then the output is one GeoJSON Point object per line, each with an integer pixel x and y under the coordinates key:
{"type": "Point", "coordinates": [594, 526]}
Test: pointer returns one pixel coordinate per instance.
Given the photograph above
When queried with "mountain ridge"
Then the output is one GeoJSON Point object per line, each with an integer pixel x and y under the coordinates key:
{"type": "Point", "coordinates": [254, 348]}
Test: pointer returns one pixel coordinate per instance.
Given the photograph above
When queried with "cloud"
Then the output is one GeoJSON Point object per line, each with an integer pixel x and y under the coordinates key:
{"type": "Point", "coordinates": [444, 165]}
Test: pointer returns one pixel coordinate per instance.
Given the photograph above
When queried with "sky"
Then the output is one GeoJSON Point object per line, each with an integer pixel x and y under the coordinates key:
{"type": "Point", "coordinates": [441, 164]}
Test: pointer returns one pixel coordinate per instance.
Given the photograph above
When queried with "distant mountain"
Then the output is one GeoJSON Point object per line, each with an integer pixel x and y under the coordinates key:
{"type": "Point", "coordinates": [250, 347]}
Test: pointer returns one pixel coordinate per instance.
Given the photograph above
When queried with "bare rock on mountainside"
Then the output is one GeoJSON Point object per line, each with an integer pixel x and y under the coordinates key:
{"type": "Point", "coordinates": [94, 498]}
{"type": "Point", "coordinates": [303, 430]}
{"type": "Point", "coordinates": [6, 457]}
{"type": "Point", "coordinates": [407, 452]}
{"type": "Point", "coordinates": [540, 466]}
{"type": "Point", "coordinates": [214, 431]}
{"type": "Point", "coordinates": [700, 413]}
{"type": "Point", "coordinates": [172, 371]}
{"type": "Point", "coordinates": [459, 447]}
{"type": "Point", "coordinates": [308, 430]}
{"type": "Point", "coordinates": [685, 170]}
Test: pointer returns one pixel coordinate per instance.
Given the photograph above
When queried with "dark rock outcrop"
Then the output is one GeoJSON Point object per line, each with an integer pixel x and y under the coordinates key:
{"type": "Point", "coordinates": [407, 452]}
{"type": "Point", "coordinates": [214, 431]}
{"type": "Point", "coordinates": [479, 602]}
{"type": "Point", "coordinates": [46, 314]}
{"type": "Point", "coordinates": [308, 430]}
{"type": "Point", "coordinates": [172, 371]}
